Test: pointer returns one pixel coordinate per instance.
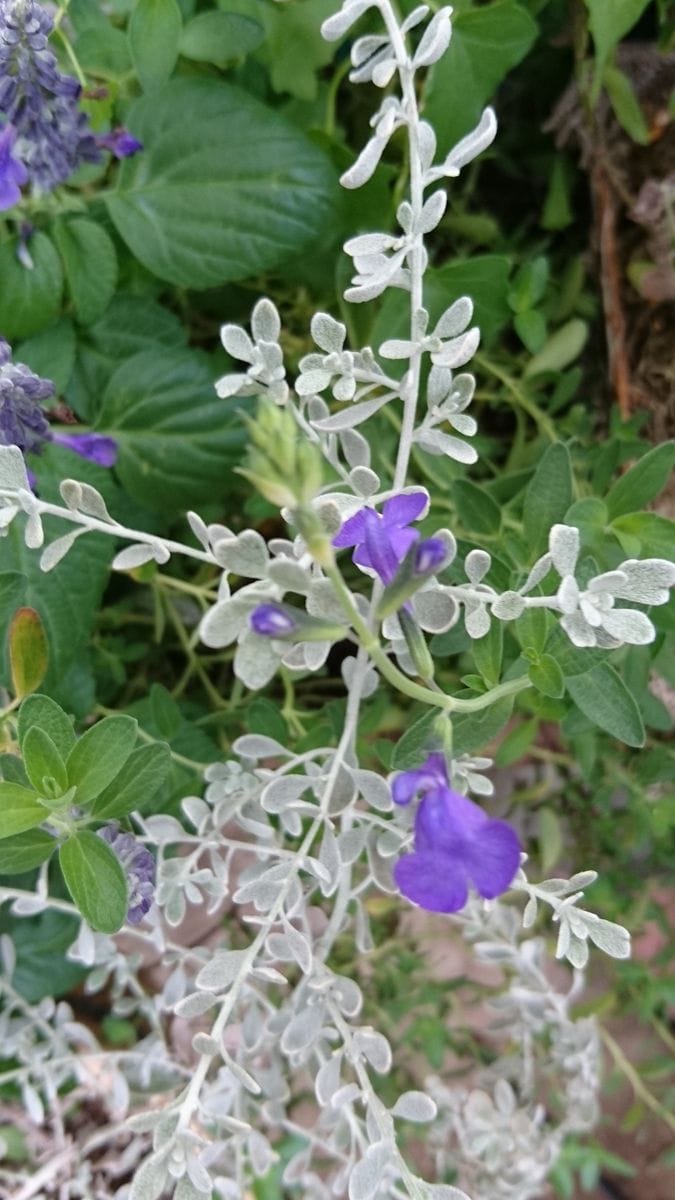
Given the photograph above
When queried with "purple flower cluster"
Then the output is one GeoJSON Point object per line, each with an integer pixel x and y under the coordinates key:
{"type": "Point", "coordinates": [138, 866]}
{"type": "Point", "coordinates": [456, 843]}
{"type": "Point", "coordinates": [24, 424]}
{"type": "Point", "coordinates": [45, 136]}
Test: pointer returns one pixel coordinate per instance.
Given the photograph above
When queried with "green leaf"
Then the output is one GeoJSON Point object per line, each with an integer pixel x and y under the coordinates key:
{"type": "Point", "coordinates": [176, 437]}
{"type": "Point", "coordinates": [561, 349]}
{"type": "Point", "coordinates": [165, 712]}
{"type": "Point", "coordinates": [473, 731]}
{"type": "Point", "coordinates": [529, 285]}
{"type": "Point", "coordinates": [143, 774]}
{"type": "Point", "coordinates": [51, 353]}
{"type": "Point", "coordinates": [625, 104]}
{"type": "Point", "coordinates": [104, 51]}
{"type": "Point", "coordinates": [417, 741]}
{"type": "Point", "coordinates": [532, 629]}
{"type": "Point", "coordinates": [655, 534]}
{"type": "Point", "coordinates": [28, 651]}
{"type": "Point", "coordinates": [19, 809]}
{"type": "Point", "coordinates": [95, 880]}
{"type": "Point", "coordinates": [219, 37]}
{"type": "Point", "coordinates": [517, 742]}
{"type": "Point", "coordinates": [29, 299]}
{"type": "Point", "coordinates": [44, 765]}
{"type": "Point", "coordinates": [477, 511]}
{"type": "Point", "coordinates": [24, 851]}
{"type": "Point", "coordinates": [531, 329]}
{"type": "Point", "coordinates": [295, 51]}
{"type": "Point", "coordinates": [12, 769]}
{"type": "Point", "coordinates": [42, 712]}
{"type": "Point", "coordinates": [603, 697]}
{"type": "Point", "coordinates": [42, 966]}
{"type": "Point", "coordinates": [572, 660]}
{"type": "Point", "coordinates": [90, 263]}
{"type": "Point", "coordinates": [609, 20]}
{"type": "Point", "coordinates": [227, 195]}
{"type": "Point", "coordinates": [551, 842]}
{"type": "Point", "coordinates": [645, 479]}
{"type": "Point", "coordinates": [99, 755]}
{"type": "Point", "coordinates": [548, 496]}
{"type": "Point", "coordinates": [154, 37]}
{"type": "Point", "coordinates": [486, 43]}
{"type": "Point", "coordinates": [129, 325]}
{"type": "Point", "coordinates": [547, 677]}
{"type": "Point", "coordinates": [488, 651]}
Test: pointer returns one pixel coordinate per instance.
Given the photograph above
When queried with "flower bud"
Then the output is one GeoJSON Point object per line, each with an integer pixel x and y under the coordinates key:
{"type": "Point", "coordinates": [282, 464]}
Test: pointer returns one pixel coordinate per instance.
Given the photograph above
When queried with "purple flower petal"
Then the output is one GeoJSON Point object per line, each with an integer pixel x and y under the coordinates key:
{"type": "Point", "coordinates": [401, 510]}
{"type": "Point", "coordinates": [432, 774]}
{"type": "Point", "coordinates": [352, 532]}
{"type": "Point", "coordinates": [447, 822]}
{"type": "Point", "coordinates": [13, 174]}
{"type": "Point", "coordinates": [381, 550]}
{"type": "Point", "coordinates": [94, 446]}
{"type": "Point", "coordinates": [432, 881]}
{"type": "Point", "coordinates": [492, 858]}
{"type": "Point", "coordinates": [270, 620]}
{"type": "Point", "coordinates": [429, 556]}
{"type": "Point", "coordinates": [119, 142]}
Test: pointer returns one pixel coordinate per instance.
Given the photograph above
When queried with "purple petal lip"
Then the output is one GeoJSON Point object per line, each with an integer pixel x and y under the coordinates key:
{"type": "Point", "coordinates": [94, 446]}
{"type": "Point", "coordinates": [382, 541]}
{"type": "Point", "coordinates": [119, 142]}
{"type": "Point", "coordinates": [13, 173]}
{"type": "Point", "coordinates": [429, 556]}
{"type": "Point", "coordinates": [270, 620]}
{"type": "Point", "coordinates": [456, 844]}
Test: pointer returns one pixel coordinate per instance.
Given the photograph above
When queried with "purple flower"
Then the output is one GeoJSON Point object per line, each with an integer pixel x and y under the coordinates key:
{"type": "Point", "coordinates": [94, 446]}
{"type": "Point", "coordinates": [382, 541]}
{"type": "Point", "coordinates": [13, 174]}
{"type": "Point", "coordinates": [138, 866]}
{"type": "Point", "coordinates": [456, 843]}
{"type": "Point", "coordinates": [53, 137]}
{"type": "Point", "coordinates": [22, 421]}
{"type": "Point", "coordinates": [429, 556]}
{"type": "Point", "coordinates": [271, 620]}
{"type": "Point", "coordinates": [119, 142]}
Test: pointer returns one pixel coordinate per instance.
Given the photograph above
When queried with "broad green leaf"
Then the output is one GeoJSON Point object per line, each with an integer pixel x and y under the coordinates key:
{"type": "Point", "coordinates": [90, 263]}
{"type": "Point", "coordinates": [551, 841]}
{"type": "Point", "coordinates": [177, 439]}
{"type": "Point", "coordinates": [224, 189]}
{"type": "Point", "coordinates": [656, 535]}
{"type": "Point", "coordinates": [19, 809]}
{"type": "Point", "coordinates": [645, 479]}
{"type": "Point", "coordinates": [24, 851]}
{"type": "Point", "coordinates": [473, 731]}
{"type": "Point", "coordinates": [418, 740]}
{"type": "Point", "coordinates": [51, 353]}
{"type": "Point", "coordinates": [130, 324]}
{"type": "Point", "coordinates": [294, 49]}
{"type": "Point", "coordinates": [154, 38]}
{"type": "Point", "coordinates": [609, 20]}
{"type": "Point", "coordinates": [12, 770]}
{"type": "Point", "coordinates": [29, 299]}
{"type": "Point", "coordinates": [28, 651]}
{"type": "Point", "coordinates": [547, 677]}
{"type": "Point", "coordinates": [488, 651]}
{"type": "Point", "coordinates": [42, 712]}
{"type": "Point", "coordinates": [548, 496]}
{"type": "Point", "coordinates": [99, 755]}
{"type": "Point", "coordinates": [561, 349]}
{"type": "Point", "coordinates": [572, 660]}
{"type": "Point", "coordinates": [95, 880]}
{"type": "Point", "coordinates": [532, 629]}
{"type": "Point", "coordinates": [529, 285]}
{"type": "Point", "coordinates": [44, 765]}
{"type": "Point", "coordinates": [143, 774]}
{"type": "Point", "coordinates": [165, 712]}
{"type": "Point", "coordinates": [517, 741]}
{"type": "Point", "coordinates": [531, 329]}
{"type": "Point", "coordinates": [104, 51]}
{"type": "Point", "coordinates": [220, 37]}
{"type": "Point", "coordinates": [486, 43]}
{"type": "Point", "coordinates": [476, 510]}
{"type": "Point", "coordinates": [626, 105]}
{"type": "Point", "coordinates": [42, 965]}
{"type": "Point", "coordinates": [603, 697]}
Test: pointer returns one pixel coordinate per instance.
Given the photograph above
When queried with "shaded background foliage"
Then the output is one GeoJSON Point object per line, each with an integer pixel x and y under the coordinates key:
{"type": "Point", "coordinates": [563, 236]}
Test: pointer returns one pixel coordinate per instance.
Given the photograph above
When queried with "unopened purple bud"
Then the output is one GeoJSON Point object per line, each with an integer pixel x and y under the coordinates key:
{"type": "Point", "coordinates": [13, 174]}
{"type": "Point", "coordinates": [94, 446]}
{"type": "Point", "coordinates": [429, 556]}
{"type": "Point", "coordinates": [271, 620]}
{"type": "Point", "coordinates": [119, 142]}
{"type": "Point", "coordinates": [138, 866]}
